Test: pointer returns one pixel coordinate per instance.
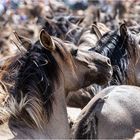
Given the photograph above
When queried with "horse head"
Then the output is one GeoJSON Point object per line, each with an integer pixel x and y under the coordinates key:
{"type": "Point", "coordinates": [85, 66]}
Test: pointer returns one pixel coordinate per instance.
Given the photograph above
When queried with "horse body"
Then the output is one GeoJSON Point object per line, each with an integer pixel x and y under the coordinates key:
{"type": "Point", "coordinates": [113, 114]}
{"type": "Point", "coordinates": [120, 113]}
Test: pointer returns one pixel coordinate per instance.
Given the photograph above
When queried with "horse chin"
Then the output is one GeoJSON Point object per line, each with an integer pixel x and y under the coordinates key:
{"type": "Point", "coordinates": [104, 78]}
{"type": "Point", "coordinates": [100, 79]}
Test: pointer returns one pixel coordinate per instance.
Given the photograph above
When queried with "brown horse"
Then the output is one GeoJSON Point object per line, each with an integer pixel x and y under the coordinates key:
{"type": "Point", "coordinates": [36, 82]}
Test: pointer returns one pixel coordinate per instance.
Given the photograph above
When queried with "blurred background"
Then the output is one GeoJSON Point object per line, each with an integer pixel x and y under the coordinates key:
{"type": "Point", "coordinates": [24, 10]}
{"type": "Point", "coordinates": [59, 17]}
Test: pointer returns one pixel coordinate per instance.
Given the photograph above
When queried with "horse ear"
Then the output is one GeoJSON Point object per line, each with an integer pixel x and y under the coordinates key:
{"type": "Point", "coordinates": [25, 42]}
{"type": "Point", "coordinates": [95, 30]}
{"type": "Point", "coordinates": [46, 40]}
{"type": "Point", "coordinates": [123, 30]}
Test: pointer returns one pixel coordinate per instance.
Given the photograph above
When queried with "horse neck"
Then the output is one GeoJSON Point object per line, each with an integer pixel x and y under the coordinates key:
{"type": "Point", "coordinates": [58, 126]}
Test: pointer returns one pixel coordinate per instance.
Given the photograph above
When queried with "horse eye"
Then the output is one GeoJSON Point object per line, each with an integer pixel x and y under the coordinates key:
{"type": "Point", "coordinates": [74, 52]}
{"type": "Point", "coordinates": [134, 32]}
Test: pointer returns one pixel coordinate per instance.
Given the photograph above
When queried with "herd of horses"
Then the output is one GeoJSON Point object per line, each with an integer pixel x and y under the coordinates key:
{"type": "Point", "coordinates": [65, 64]}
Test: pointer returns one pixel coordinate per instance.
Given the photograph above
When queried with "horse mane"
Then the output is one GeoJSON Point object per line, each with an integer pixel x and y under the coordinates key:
{"type": "Point", "coordinates": [120, 49]}
{"type": "Point", "coordinates": [74, 34]}
{"type": "Point", "coordinates": [8, 73]}
{"type": "Point", "coordinates": [35, 74]}
{"type": "Point", "coordinates": [4, 47]}
{"type": "Point", "coordinates": [87, 38]}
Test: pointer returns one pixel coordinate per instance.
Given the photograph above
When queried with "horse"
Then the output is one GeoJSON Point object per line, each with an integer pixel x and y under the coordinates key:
{"type": "Point", "coordinates": [111, 114]}
{"type": "Point", "coordinates": [85, 39]}
{"type": "Point", "coordinates": [122, 47]}
{"type": "Point", "coordinates": [35, 83]}
{"type": "Point", "coordinates": [123, 50]}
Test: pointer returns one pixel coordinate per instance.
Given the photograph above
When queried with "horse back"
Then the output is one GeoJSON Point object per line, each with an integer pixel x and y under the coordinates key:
{"type": "Point", "coordinates": [113, 113]}
{"type": "Point", "coordinates": [118, 116]}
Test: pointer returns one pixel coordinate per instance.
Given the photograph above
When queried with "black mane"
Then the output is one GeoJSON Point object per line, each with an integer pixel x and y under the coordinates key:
{"type": "Point", "coordinates": [120, 49]}
{"type": "Point", "coordinates": [36, 76]}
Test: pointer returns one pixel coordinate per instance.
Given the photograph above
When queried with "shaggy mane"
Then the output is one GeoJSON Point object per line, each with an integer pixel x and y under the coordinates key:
{"type": "Point", "coordinates": [30, 94]}
{"type": "Point", "coordinates": [122, 50]}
